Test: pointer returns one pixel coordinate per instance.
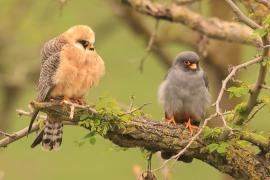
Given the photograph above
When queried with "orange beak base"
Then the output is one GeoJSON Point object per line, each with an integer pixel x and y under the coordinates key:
{"type": "Point", "coordinates": [193, 66]}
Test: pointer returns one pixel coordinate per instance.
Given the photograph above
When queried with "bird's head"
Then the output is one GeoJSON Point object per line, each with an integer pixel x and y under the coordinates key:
{"type": "Point", "coordinates": [187, 61]}
{"type": "Point", "coordinates": [81, 36]}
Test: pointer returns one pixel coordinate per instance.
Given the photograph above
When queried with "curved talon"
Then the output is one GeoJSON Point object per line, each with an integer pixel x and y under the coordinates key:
{"type": "Point", "coordinates": [65, 98]}
{"type": "Point", "coordinates": [170, 120]}
{"type": "Point", "coordinates": [81, 101]}
{"type": "Point", "coordinates": [190, 127]}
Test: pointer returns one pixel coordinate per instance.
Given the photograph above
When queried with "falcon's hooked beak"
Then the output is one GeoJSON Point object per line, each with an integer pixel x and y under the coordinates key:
{"type": "Point", "coordinates": [193, 66]}
{"type": "Point", "coordinates": [91, 47]}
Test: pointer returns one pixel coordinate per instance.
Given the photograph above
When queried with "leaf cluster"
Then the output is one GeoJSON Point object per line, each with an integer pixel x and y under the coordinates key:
{"type": "Point", "coordinates": [109, 117]}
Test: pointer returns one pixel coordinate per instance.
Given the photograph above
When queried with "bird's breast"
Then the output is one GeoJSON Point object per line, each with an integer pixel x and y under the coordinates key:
{"type": "Point", "coordinates": [185, 94]}
{"type": "Point", "coordinates": [77, 72]}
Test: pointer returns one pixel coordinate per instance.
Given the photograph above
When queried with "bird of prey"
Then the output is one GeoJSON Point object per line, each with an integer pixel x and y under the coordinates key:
{"type": "Point", "coordinates": [184, 92]}
{"type": "Point", "coordinates": [70, 66]}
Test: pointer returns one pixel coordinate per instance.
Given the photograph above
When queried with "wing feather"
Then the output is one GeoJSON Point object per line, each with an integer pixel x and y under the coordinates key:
{"type": "Point", "coordinates": [51, 47]}
{"type": "Point", "coordinates": [206, 82]}
{"type": "Point", "coordinates": [50, 58]}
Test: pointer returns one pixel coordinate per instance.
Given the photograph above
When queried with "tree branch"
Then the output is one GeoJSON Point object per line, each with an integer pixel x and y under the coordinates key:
{"type": "Point", "coordinates": [242, 17]}
{"type": "Point", "coordinates": [252, 101]}
{"type": "Point", "coordinates": [233, 72]}
{"type": "Point", "coordinates": [155, 136]}
{"type": "Point", "coordinates": [211, 27]}
{"type": "Point", "coordinates": [264, 2]}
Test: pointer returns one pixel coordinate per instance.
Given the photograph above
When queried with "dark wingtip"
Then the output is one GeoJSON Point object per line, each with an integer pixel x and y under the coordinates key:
{"type": "Point", "coordinates": [35, 113]}
{"type": "Point", "coordinates": [38, 139]}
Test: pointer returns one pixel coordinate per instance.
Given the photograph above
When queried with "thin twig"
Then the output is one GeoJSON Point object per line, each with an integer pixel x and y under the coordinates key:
{"type": "Point", "coordinates": [264, 2]}
{"type": "Point", "coordinates": [185, 2]}
{"type": "Point", "coordinates": [265, 87]}
{"type": "Point", "coordinates": [149, 46]}
{"type": "Point", "coordinates": [21, 112]}
{"type": "Point", "coordinates": [136, 109]}
{"type": "Point", "coordinates": [18, 135]}
{"type": "Point", "coordinates": [266, 46]}
{"type": "Point", "coordinates": [131, 103]}
{"type": "Point", "coordinates": [255, 112]}
{"type": "Point", "coordinates": [227, 79]}
{"type": "Point", "coordinates": [6, 134]}
{"type": "Point", "coordinates": [242, 17]}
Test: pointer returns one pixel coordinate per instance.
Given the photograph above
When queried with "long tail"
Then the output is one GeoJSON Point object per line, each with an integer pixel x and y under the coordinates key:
{"type": "Point", "coordinates": [51, 136]}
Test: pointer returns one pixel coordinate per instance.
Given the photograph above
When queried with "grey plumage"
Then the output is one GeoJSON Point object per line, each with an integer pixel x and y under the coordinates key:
{"type": "Point", "coordinates": [184, 93]}
{"type": "Point", "coordinates": [50, 58]}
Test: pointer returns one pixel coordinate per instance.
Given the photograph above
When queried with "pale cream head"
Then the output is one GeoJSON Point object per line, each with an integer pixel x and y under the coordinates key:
{"type": "Point", "coordinates": [81, 36]}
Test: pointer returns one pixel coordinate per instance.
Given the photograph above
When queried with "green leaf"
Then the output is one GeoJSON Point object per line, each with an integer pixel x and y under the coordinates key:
{"type": "Point", "coordinates": [248, 146]}
{"type": "Point", "coordinates": [239, 108]}
{"type": "Point", "coordinates": [207, 132]}
{"type": "Point", "coordinates": [223, 147]}
{"type": "Point", "coordinates": [260, 32]}
{"type": "Point", "coordinates": [211, 132]}
{"type": "Point", "coordinates": [266, 61]}
{"type": "Point", "coordinates": [266, 21]}
{"type": "Point", "coordinates": [238, 91]}
{"type": "Point", "coordinates": [92, 140]}
{"type": "Point", "coordinates": [212, 147]}
{"type": "Point", "coordinates": [243, 143]}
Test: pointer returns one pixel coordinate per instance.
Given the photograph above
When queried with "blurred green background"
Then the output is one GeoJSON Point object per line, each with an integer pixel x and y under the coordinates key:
{"type": "Point", "coordinates": [26, 25]}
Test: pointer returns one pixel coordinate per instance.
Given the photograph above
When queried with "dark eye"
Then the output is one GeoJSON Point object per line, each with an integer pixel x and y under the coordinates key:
{"type": "Point", "coordinates": [84, 43]}
{"type": "Point", "coordinates": [186, 62]}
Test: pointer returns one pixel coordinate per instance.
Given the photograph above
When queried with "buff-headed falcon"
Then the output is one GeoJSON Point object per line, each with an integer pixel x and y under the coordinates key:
{"type": "Point", "coordinates": [70, 66]}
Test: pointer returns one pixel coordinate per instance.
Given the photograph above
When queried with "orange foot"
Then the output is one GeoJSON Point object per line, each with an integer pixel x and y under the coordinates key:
{"type": "Point", "coordinates": [65, 98]}
{"type": "Point", "coordinates": [80, 101]}
{"type": "Point", "coordinates": [170, 120]}
{"type": "Point", "coordinates": [190, 127]}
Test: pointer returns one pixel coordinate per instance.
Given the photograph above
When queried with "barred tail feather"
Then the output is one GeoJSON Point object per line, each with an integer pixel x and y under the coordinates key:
{"type": "Point", "coordinates": [52, 137]}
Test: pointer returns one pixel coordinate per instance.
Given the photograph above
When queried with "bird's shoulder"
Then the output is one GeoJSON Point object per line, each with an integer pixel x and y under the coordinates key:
{"type": "Point", "coordinates": [52, 47]}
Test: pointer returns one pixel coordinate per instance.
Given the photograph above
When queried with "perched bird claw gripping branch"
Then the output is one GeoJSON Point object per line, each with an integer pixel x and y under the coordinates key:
{"type": "Point", "coordinates": [69, 67]}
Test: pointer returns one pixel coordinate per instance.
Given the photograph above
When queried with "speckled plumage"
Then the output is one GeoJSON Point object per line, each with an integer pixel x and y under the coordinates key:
{"type": "Point", "coordinates": [184, 94]}
{"type": "Point", "coordinates": [68, 69]}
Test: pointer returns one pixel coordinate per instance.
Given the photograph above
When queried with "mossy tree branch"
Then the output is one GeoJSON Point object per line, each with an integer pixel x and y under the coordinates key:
{"type": "Point", "coordinates": [132, 131]}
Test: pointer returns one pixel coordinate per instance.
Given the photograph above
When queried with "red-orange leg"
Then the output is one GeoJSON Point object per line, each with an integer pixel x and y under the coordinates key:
{"type": "Point", "coordinates": [170, 120]}
{"type": "Point", "coordinates": [189, 126]}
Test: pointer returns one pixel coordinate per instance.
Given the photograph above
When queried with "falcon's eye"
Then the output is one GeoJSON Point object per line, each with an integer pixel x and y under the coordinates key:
{"type": "Point", "coordinates": [84, 43]}
{"type": "Point", "coordinates": [186, 62]}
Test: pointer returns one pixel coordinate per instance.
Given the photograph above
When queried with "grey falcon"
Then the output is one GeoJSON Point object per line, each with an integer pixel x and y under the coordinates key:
{"type": "Point", "coordinates": [184, 92]}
